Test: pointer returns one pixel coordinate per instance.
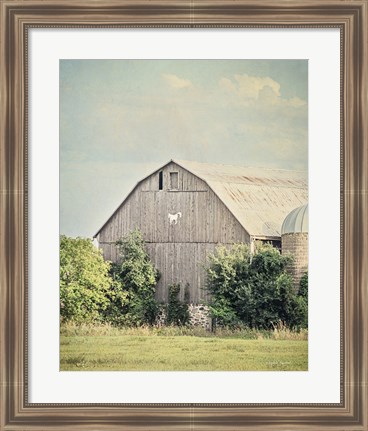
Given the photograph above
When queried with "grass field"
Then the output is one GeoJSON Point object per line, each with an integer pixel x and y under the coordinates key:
{"type": "Point", "coordinates": [172, 349]}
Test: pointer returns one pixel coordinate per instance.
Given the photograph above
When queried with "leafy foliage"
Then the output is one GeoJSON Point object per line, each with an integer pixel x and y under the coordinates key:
{"type": "Point", "coordinates": [253, 290]}
{"type": "Point", "coordinates": [303, 299]}
{"type": "Point", "coordinates": [84, 280]}
{"type": "Point", "coordinates": [303, 287]}
{"type": "Point", "coordinates": [135, 278]}
{"type": "Point", "coordinates": [177, 312]}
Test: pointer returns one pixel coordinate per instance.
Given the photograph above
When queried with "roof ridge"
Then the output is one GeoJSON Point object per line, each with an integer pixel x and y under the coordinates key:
{"type": "Point", "coordinates": [179, 161]}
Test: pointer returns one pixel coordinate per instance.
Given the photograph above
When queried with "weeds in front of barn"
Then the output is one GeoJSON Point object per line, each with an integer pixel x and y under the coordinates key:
{"type": "Point", "coordinates": [279, 332]}
{"type": "Point", "coordinates": [104, 347]}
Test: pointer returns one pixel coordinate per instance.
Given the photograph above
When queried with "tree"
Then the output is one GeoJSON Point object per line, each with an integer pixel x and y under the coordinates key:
{"type": "Point", "coordinates": [84, 280]}
{"type": "Point", "coordinates": [225, 272]}
{"type": "Point", "coordinates": [253, 290]}
{"type": "Point", "coordinates": [135, 280]}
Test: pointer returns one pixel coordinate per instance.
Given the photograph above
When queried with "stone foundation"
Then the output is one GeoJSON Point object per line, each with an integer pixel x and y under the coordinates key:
{"type": "Point", "coordinates": [199, 316]}
{"type": "Point", "coordinates": [161, 318]}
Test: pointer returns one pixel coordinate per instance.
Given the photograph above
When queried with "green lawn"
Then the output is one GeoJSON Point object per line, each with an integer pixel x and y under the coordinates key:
{"type": "Point", "coordinates": [124, 352]}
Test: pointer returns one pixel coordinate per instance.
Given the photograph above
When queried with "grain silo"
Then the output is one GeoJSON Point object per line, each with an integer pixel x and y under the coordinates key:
{"type": "Point", "coordinates": [294, 240]}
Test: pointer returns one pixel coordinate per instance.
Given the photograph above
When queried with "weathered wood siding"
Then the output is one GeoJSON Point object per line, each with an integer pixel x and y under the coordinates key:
{"type": "Point", "coordinates": [177, 250]}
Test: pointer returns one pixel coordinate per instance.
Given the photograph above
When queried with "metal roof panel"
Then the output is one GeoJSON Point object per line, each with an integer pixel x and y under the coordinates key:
{"type": "Point", "coordinates": [260, 198]}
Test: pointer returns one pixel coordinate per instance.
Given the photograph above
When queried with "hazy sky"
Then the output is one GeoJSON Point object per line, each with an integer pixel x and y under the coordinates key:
{"type": "Point", "coordinates": [122, 119]}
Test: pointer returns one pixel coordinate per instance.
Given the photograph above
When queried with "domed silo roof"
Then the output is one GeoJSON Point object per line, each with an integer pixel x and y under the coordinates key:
{"type": "Point", "coordinates": [296, 221]}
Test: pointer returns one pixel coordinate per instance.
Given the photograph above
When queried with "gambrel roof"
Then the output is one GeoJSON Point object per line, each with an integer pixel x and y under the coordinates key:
{"type": "Point", "coordinates": [259, 198]}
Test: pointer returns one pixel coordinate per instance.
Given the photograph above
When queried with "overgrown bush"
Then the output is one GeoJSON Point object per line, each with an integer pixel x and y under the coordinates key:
{"type": "Point", "coordinates": [177, 312]}
{"type": "Point", "coordinates": [253, 290]}
{"type": "Point", "coordinates": [303, 299]}
{"type": "Point", "coordinates": [84, 281]}
{"type": "Point", "coordinates": [303, 287]}
{"type": "Point", "coordinates": [132, 296]}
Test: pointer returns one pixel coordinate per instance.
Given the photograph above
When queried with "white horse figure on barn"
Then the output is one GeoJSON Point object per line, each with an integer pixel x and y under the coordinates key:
{"type": "Point", "coordinates": [173, 218]}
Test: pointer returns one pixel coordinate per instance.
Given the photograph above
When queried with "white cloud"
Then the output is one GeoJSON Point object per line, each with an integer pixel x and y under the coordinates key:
{"type": "Point", "coordinates": [249, 87]}
{"type": "Point", "coordinates": [296, 102]}
{"type": "Point", "coordinates": [249, 90]}
{"type": "Point", "coordinates": [227, 84]}
{"type": "Point", "coordinates": [176, 82]}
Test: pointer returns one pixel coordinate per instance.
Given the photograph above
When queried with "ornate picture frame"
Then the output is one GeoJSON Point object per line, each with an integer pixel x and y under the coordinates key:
{"type": "Point", "coordinates": [17, 18]}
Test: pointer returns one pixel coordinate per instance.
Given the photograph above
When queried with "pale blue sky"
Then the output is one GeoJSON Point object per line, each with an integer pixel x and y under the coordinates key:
{"type": "Point", "coordinates": [122, 119]}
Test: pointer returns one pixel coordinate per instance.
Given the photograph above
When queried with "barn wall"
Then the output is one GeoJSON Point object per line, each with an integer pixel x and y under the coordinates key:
{"type": "Point", "coordinates": [181, 263]}
{"type": "Point", "coordinates": [179, 249]}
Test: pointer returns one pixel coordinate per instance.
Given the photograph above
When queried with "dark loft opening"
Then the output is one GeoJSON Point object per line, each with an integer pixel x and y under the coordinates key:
{"type": "Point", "coordinates": [160, 180]}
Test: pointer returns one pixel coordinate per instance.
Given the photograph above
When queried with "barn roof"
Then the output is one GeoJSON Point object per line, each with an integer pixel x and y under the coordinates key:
{"type": "Point", "coordinates": [259, 198]}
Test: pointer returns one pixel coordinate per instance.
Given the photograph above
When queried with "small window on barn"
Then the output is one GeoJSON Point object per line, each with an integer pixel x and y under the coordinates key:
{"type": "Point", "coordinates": [160, 180]}
{"type": "Point", "coordinates": [174, 180]}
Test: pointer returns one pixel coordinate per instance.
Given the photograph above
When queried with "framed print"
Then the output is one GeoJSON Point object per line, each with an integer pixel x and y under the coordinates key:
{"type": "Point", "coordinates": [174, 97]}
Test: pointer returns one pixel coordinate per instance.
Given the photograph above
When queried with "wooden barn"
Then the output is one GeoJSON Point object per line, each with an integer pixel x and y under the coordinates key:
{"type": "Point", "coordinates": [185, 209]}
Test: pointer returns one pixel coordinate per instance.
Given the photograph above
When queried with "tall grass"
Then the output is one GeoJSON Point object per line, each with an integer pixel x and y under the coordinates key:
{"type": "Point", "coordinates": [279, 332]}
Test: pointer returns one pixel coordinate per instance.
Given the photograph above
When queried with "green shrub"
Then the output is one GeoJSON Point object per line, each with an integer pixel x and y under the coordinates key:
{"type": "Point", "coordinates": [133, 291]}
{"type": "Point", "coordinates": [253, 290]}
{"type": "Point", "coordinates": [84, 281]}
{"type": "Point", "coordinates": [177, 312]}
{"type": "Point", "coordinates": [303, 299]}
{"type": "Point", "coordinates": [303, 287]}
